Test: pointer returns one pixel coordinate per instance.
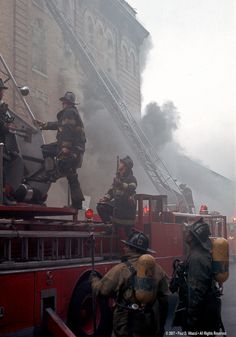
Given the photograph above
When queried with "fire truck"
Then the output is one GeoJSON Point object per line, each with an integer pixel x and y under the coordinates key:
{"type": "Point", "coordinates": [47, 253]}
{"type": "Point", "coordinates": [46, 259]}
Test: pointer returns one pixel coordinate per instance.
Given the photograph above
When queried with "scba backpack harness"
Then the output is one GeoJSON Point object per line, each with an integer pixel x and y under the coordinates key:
{"type": "Point", "coordinates": [141, 282]}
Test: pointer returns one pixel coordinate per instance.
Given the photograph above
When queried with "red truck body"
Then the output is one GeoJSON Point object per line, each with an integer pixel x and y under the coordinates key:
{"type": "Point", "coordinates": [44, 259]}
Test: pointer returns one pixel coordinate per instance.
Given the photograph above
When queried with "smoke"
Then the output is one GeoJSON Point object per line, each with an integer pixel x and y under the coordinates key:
{"type": "Point", "coordinates": [208, 187]}
{"type": "Point", "coordinates": [144, 52]}
{"type": "Point", "coordinates": [104, 142]}
{"type": "Point", "coordinates": [160, 122]}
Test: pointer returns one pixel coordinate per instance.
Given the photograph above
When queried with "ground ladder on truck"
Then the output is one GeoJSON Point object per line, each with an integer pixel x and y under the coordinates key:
{"type": "Point", "coordinates": [144, 150]}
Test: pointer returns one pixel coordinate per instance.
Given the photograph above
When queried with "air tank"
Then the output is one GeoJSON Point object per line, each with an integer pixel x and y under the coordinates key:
{"type": "Point", "coordinates": [145, 285]}
{"type": "Point", "coordinates": [220, 257]}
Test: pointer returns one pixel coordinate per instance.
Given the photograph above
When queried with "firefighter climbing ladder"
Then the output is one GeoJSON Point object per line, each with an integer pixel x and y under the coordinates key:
{"type": "Point", "coordinates": [152, 164]}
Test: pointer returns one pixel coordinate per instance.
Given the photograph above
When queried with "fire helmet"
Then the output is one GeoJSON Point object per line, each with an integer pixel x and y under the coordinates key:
{"type": "Point", "coordinates": [68, 97]}
{"type": "Point", "coordinates": [128, 162]}
{"type": "Point", "coordinates": [201, 231]}
{"type": "Point", "coordinates": [139, 241]}
{"type": "Point", "coordinates": [2, 85]}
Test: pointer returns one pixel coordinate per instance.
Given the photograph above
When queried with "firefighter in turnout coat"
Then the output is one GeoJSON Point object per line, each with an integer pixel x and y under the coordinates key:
{"type": "Point", "coordinates": [200, 294]}
{"type": "Point", "coordinates": [69, 148]}
{"type": "Point", "coordinates": [136, 316]}
{"type": "Point", "coordinates": [5, 117]}
{"type": "Point", "coordinates": [11, 158]}
{"type": "Point", "coordinates": [118, 205]}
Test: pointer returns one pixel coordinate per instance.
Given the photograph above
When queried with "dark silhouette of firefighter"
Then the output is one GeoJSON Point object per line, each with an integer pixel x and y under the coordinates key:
{"type": "Point", "coordinates": [10, 159]}
{"type": "Point", "coordinates": [188, 195]}
{"type": "Point", "coordinates": [194, 280]}
{"type": "Point", "coordinates": [67, 153]}
{"type": "Point", "coordinates": [118, 206]}
{"type": "Point", "coordinates": [5, 116]}
{"type": "Point", "coordinates": [140, 288]}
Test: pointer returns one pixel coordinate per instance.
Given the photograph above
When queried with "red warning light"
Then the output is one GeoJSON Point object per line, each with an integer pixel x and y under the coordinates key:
{"type": "Point", "coordinates": [203, 209]}
{"type": "Point", "coordinates": [89, 213]}
{"type": "Point", "coordinates": [146, 210]}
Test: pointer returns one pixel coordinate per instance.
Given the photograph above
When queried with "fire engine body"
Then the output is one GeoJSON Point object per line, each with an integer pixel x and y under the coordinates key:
{"type": "Point", "coordinates": [46, 260]}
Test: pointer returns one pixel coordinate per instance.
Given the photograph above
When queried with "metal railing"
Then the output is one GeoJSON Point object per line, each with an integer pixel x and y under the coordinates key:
{"type": "Point", "coordinates": [17, 88]}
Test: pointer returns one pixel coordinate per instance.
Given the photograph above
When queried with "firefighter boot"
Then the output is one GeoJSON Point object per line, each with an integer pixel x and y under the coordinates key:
{"type": "Point", "coordinates": [105, 211]}
{"type": "Point", "coordinates": [75, 191]}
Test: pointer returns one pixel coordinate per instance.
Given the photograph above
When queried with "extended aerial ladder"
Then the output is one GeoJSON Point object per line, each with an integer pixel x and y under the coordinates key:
{"type": "Point", "coordinates": [112, 100]}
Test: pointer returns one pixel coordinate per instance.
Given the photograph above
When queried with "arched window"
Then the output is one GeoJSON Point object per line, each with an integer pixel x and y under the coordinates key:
{"type": "Point", "coordinates": [39, 46]}
{"type": "Point", "coordinates": [110, 53]}
{"type": "Point", "coordinates": [125, 57]}
{"type": "Point", "coordinates": [110, 43]}
{"type": "Point", "coordinates": [100, 32]}
{"type": "Point", "coordinates": [100, 37]}
{"type": "Point", "coordinates": [133, 63]}
{"type": "Point", "coordinates": [90, 30]}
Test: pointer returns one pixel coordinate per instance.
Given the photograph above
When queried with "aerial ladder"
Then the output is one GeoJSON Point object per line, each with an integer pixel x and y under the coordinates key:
{"type": "Point", "coordinates": [112, 100]}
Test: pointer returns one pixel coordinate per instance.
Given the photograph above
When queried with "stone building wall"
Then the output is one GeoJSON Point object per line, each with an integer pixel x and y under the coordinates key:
{"type": "Point", "coordinates": [36, 52]}
{"type": "Point", "coordinates": [40, 57]}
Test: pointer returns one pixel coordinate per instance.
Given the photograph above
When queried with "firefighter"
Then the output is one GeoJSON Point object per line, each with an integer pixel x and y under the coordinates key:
{"type": "Point", "coordinates": [131, 318]}
{"type": "Point", "coordinates": [5, 117]}
{"type": "Point", "coordinates": [10, 158]}
{"type": "Point", "coordinates": [188, 195]}
{"type": "Point", "coordinates": [118, 205]}
{"type": "Point", "coordinates": [199, 291]}
{"type": "Point", "coordinates": [69, 148]}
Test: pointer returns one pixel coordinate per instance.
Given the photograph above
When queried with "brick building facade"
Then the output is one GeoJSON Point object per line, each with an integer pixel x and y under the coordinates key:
{"type": "Point", "coordinates": [39, 55]}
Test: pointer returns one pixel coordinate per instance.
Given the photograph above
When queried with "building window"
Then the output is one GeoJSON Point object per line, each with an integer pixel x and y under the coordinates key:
{"type": "Point", "coordinates": [110, 44]}
{"type": "Point", "coordinates": [133, 63]}
{"type": "Point", "coordinates": [100, 37]}
{"type": "Point", "coordinates": [125, 57]}
{"type": "Point", "coordinates": [100, 32]}
{"type": "Point", "coordinates": [90, 30]}
{"type": "Point", "coordinates": [110, 54]}
{"type": "Point", "coordinates": [39, 46]}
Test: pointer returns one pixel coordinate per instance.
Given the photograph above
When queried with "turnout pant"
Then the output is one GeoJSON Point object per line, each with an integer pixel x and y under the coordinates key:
{"type": "Point", "coordinates": [65, 167]}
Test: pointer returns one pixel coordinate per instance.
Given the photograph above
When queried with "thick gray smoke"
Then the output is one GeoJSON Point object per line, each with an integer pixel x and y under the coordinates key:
{"type": "Point", "coordinates": [144, 52]}
{"type": "Point", "coordinates": [104, 142]}
{"type": "Point", "coordinates": [208, 187]}
{"type": "Point", "coordinates": [159, 122]}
